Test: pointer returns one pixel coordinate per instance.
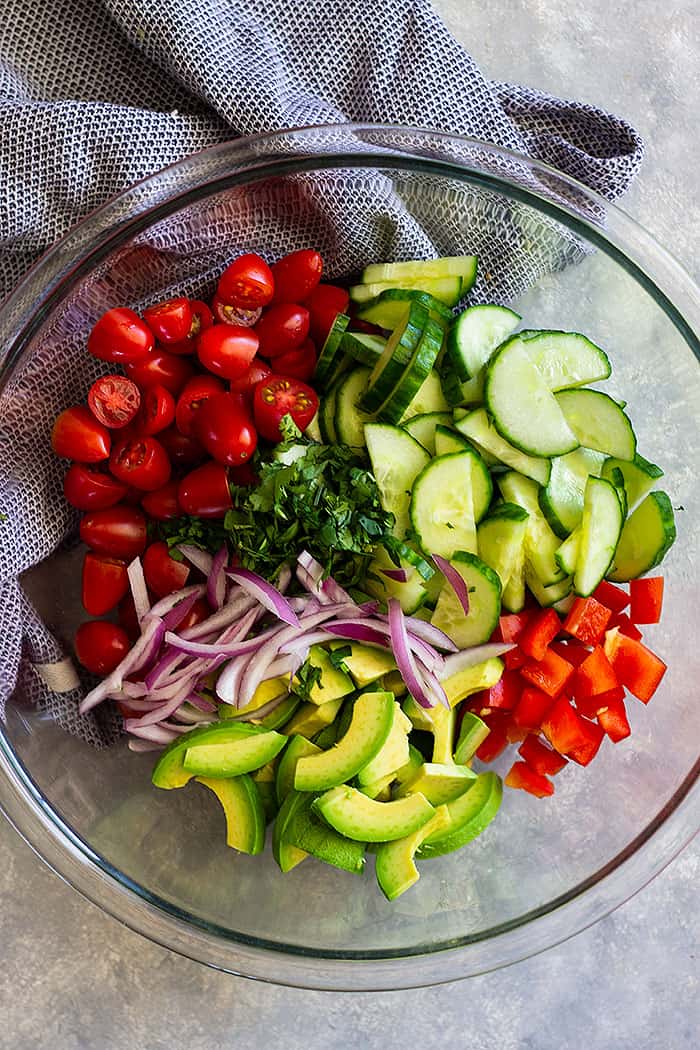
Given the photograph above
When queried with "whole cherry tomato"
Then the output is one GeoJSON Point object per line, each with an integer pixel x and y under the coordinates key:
{"type": "Point", "coordinates": [159, 368]}
{"type": "Point", "coordinates": [204, 492]}
{"type": "Point", "coordinates": [246, 282]}
{"type": "Point", "coordinates": [299, 363]}
{"type": "Point", "coordinates": [157, 410]}
{"type": "Point", "coordinates": [76, 434]}
{"type": "Point", "coordinates": [325, 303]}
{"type": "Point", "coordinates": [225, 427]}
{"type": "Point", "coordinates": [126, 614]}
{"type": "Point", "coordinates": [114, 400]}
{"type": "Point", "coordinates": [120, 336]}
{"type": "Point", "coordinates": [100, 645]}
{"type": "Point", "coordinates": [162, 504]}
{"type": "Point", "coordinates": [193, 396]}
{"type": "Point", "coordinates": [296, 275]}
{"type": "Point", "coordinates": [105, 582]}
{"type": "Point", "coordinates": [170, 321]}
{"type": "Point", "coordinates": [202, 319]}
{"type": "Point", "coordinates": [141, 462]}
{"type": "Point", "coordinates": [282, 327]}
{"type": "Point", "coordinates": [89, 489]}
{"type": "Point", "coordinates": [277, 397]}
{"type": "Point", "coordinates": [119, 532]}
{"type": "Point", "coordinates": [163, 574]}
{"type": "Point", "coordinates": [246, 384]}
{"type": "Point", "coordinates": [227, 349]}
{"type": "Point", "coordinates": [183, 449]}
{"type": "Point", "coordinates": [228, 314]}
{"type": "Point", "coordinates": [199, 611]}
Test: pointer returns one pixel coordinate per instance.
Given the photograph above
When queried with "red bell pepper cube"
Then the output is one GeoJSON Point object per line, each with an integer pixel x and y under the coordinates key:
{"type": "Point", "coordinates": [564, 728]}
{"type": "Point", "coordinates": [646, 599]}
{"type": "Point", "coordinates": [532, 707]}
{"type": "Point", "coordinates": [504, 695]}
{"type": "Point", "coordinates": [515, 733]}
{"type": "Point", "coordinates": [572, 651]}
{"type": "Point", "coordinates": [494, 745]}
{"type": "Point", "coordinates": [625, 625]}
{"type": "Point", "coordinates": [595, 675]}
{"type": "Point", "coordinates": [589, 706]}
{"type": "Point", "coordinates": [587, 620]}
{"type": "Point", "coordinates": [539, 632]}
{"type": "Point", "coordinates": [514, 659]}
{"type": "Point", "coordinates": [540, 757]}
{"type": "Point", "coordinates": [614, 597]}
{"type": "Point", "coordinates": [550, 674]}
{"type": "Point", "coordinates": [636, 667]}
{"type": "Point", "coordinates": [510, 626]}
{"type": "Point", "coordinates": [612, 719]}
{"type": "Point", "coordinates": [521, 776]}
{"type": "Point", "coordinates": [587, 750]}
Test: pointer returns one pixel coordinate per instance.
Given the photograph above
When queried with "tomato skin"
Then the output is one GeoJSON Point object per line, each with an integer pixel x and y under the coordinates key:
{"type": "Point", "coordinates": [324, 304]}
{"type": "Point", "coordinates": [193, 396]}
{"type": "Point", "coordinates": [183, 449]}
{"type": "Point", "coordinates": [157, 410]}
{"type": "Point", "coordinates": [105, 582]}
{"type": "Point", "coordinates": [228, 314]}
{"type": "Point", "coordinates": [225, 427]}
{"type": "Point", "coordinates": [114, 400]}
{"type": "Point", "coordinates": [202, 318]}
{"type": "Point", "coordinates": [227, 349]}
{"type": "Point", "coordinates": [246, 384]}
{"type": "Point", "coordinates": [246, 282]}
{"type": "Point", "coordinates": [199, 611]}
{"type": "Point", "coordinates": [163, 574]}
{"type": "Point", "coordinates": [171, 320]}
{"type": "Point", "coordinates": [77, 435]}
{"type": "Point", "coordinates": [296, 275]}
{"type": "Point", "coordinates": [243, 475]}
{"type": "Point", "coordinates": [281, 328]}
{"type": "Point", "coordinates": [300, 363]}
{"type": "Point", "coordinates": [278, 396]}
{"type": "Point", "coordinates": [159, 368]}
{"type": "Point", "coordinates": [141, 462]}
{"type": "Point", "coordinates": [119, 532]}
{"type": "Point", "coordinates": [204, 492]}
{"type": "Point", "coordinates": [120, 336]}
{"type": "Point", "coordinates": [126, 614]}
{"type": "Point", "coordinates": [89, 489]}
{"type": "Point", "coordinates": [162, 503]}
{"type": "Point", "coordinates": [100, 646]}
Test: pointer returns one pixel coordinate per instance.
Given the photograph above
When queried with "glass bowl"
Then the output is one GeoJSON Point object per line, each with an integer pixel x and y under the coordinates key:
{"type": "Point", "coordinates": [544, 870]}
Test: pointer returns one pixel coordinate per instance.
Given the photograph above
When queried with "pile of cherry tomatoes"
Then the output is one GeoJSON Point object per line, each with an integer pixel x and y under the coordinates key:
{"type": "Point", "coordinates": [169, 434]}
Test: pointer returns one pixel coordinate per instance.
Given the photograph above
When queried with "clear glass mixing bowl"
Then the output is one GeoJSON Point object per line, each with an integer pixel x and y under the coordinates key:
{"type": "Point", "coordinates": [544, 869]}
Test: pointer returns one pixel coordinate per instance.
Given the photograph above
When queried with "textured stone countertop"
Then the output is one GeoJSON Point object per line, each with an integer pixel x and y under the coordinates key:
{"type": "Point", "coordinates": [70, 977]}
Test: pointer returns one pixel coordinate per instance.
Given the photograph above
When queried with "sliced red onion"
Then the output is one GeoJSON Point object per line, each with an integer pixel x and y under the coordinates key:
{"type": "Point", "coordinates": [399, 575]}
{"type": "Point", "coordinates": [313, 567]}
{"type": "Point", "coordinates": [230, 613]}
{"type": "Point", "coordinates": [132, 689]}
{"type": "Point", "coordinates": [312, 586]}
{"type": "Point", "coordinates": [403, 655]}
{"type": "Point", "coordinates": [455, 581]}
{"type": "Point", "coordinates": [199, 558]}
{"type": "Point", "coordinates": [228, 682]}
{"type": "Point", "coordinates": [284, 579]}
{"type": "Point", "coordinates": [201, 703]}
{"type": "Point", "coordinates": [141, 654]}
{"type": "Point", "coordinates": [358, 631]}
{"type": "Point", "coordinates": [305, 641]}
{"type": "Point", "coordinates": [284, 665]}
{"type": "Point", "coordinates": [242, 627]}
{"type": "Point", "coordinates": [266, 594]}
{"type": "Point", "coordinates": [471, 657]}
{"type": "Point", "coordinates": [163, 668]}
{"type": "Point", "coordinates": [191, 717]}
{"type": "Point", "coordinates": [425, 653]}
{"type": "Point", "coordinates": [167, 708]}
{"type": "Point", "coordinates": [327, 588]}
{"type": "Point", "coordinates": [139, 590]}
{"type": "Point", "coordinates": [216, 581]}
{"type": "Point", "coordinates": [177, 614]}
{"type": "Point", "coordinates": [165, 605]}
{"type": "Point", "coordinates": [184, 645]}
{"type": "Point", "coordinates": [144, 705]}
{"type": "Point", "coordinates": [142, 745]}
{"type": "Point", "coordinates": [433, 686]}
{"type": "Point", "coordinates": [156, 734]}
{"type": "Point", "coordinates": [430, 634]}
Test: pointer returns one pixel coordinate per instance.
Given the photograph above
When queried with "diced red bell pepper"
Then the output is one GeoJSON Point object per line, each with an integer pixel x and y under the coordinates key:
{"type": "Point", "coordinates": [573, 651]}
{"type": "Point", "coordinates": [614, 597]}
{"type": "Point", "coordinates": [514, 659]}
{"type": "Point", "coordinates": [589, 706]}
{"type": "Point", "coordinates": [494, 745]}
{"type": "Point", "coordinates": [532, 707]}
{"type": "Point", "coordinates": [514, 732]}
{"type": "Point", "coordinates": [612, 719]}
{"type": "Point", "coordinates": [636, 667]}
{"type": "Point", "coordinates": [564, 728]}
{"type": "Point", "coordinates": [646, 599]}
{"type": "Point", "coordinates": [594, 675]}
{"type": "Point", "coordinates": [587, 620]}
{"type": "Point", "coordinates": [625, 625]}
{"type": "Point", "coordinates": [540, 757]}
{"type": "Point", "coordinates": [521, 776]}
{"type": "Point", "coordinates": [539, 632]}
{"type": "Point", "coordinates": [510, 626]}
{"type": "Point", "coordinates": [549, 674]}
{"type": "Point", "coordinates": [586, 751]}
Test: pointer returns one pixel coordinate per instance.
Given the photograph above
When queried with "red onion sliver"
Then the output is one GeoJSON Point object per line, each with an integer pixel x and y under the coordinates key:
{"type": "Point", "coordinates": [177, 614]}
{"type": "Point", "coordinates": [434, 686]}
{"type": "Point", "coordinates": [142, 745]}
{"type": "Point", "coordinates": [403, 655]}
{"type": "Point", "coordinates": [455, 581]}
{"type": "Point", "coordinates": [428, 633]}
{"type": "Point", "coordinates": [139, 590]}
{"type": "Point", "coordinates": [156, 734]}
{"type": "Point", "coordinates": [266, 594]}
{"type": "Point", "coordinates": [400, 575]}
{"type": "Point", "coordinates": [284, 579]}
{"type": "Point", "coordinates": [201, 703]}
{"type": "Point", "coordinates": [471, 657]}
{"type": "Point", "coordinates": [167, 708]}
{"type": "Point", "coordinates": [132, 689]}
{"type": "Point", "coordinates": [216, 581]}
{"type": "Point", "coordinates": [228, 682]}
{"type": "Point", "coordinates": [142, 653]}
{"type": "Point", "coordinates": [185, 645]}
{"type": "Point", "coordinates": [199, 558]}
{"type": "Point", "coordinates": [359, 632]}
{"type": "Point", "coordinates": [164, 605]}
{"type": "Point", "coordinates": [231, 612]}
{"type": "Point", "coordinates": [305, 641]}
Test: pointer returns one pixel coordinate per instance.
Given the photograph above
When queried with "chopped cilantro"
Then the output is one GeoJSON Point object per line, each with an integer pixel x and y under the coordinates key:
{"type": "Point", "coordinates": [306, 678]}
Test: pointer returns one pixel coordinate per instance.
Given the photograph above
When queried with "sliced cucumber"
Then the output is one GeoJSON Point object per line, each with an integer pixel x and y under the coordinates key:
{"type": "Point", "coordinates": [326, 414]}
{"type": "Point", "coordinates": [646, 536]}
{"type": "Point", "coordinates": [513, 597]}
{"type": "Point", "coordinates": [386, 310]}
{"type": "Point", "coordinates": [541, 543]}
{"type": "Point", "coordinates": [349, 420]}
{"type": "Point", "coordinates": [313, 431]}
{"type": "Point", "coordinates": [365, 348]}
{"type": "Point", "coordinates": [566, 359]}
{"type": "Point", "coordinates": [464, 266]}
{"type": "Point", "coordinates": [475, 426]}
{"type": "Point", "coordinates": [561, 500]}
{"type": "Point", "coordinates": [484, 587]}
{"type": "Point", "coordinates": [429, 398]}
{"type": "Point", "coordinates": [446, 439]}
{"type": "Point", "coordinates": [474, 336]}
{"type": "Point", "coordinates": [601, 526]}
{"type": "Point", "coordinates": [567, 555]}
{"type": "Point", "coordinates": [617, 479]}
{"type": "Point", "coordinates": [547, 596]}
{"type": "Point", "coordinates": [423, 428]}
{"type": "Point", "coordinates": [598, 422]}
{"type": "Point", "coordinates": [447, 289]}
{"type": "Point", "coordinates": [332, 350]}
{"type": "Point", "coordinates": [638, 476]}
{"type": "Point", "coordinates": [411, 593]}
{"type": "Point", "coordinates": [397, 459]}
{"type": "Point", "coordinates": [442, 505]}
{"type": "Point", "coordinates": [399, 350]}
{"type": "Point", "coordinates": [414, 375]}
{"type": "Point", "coordinates": [501, 540]}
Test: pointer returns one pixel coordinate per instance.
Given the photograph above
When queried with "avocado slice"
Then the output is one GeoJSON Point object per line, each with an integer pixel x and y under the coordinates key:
{"type": "Point", "coordinates": [473, 679]}
{"type": "Point", "coordinates": [268, 797]}
{"type": "Point", "coordinates": [439, 783]}
{"type": "Point", "coordinates": [363, 819]}
{"type": "Point", "coordinates": [436, 720]}
{"type": "Point", "coordinates": [233, 757]}
{"type": "Point", "coordinates": [372, 717]}
{"type": "Point", "coordinates": [379, 789]}
{"type": "Point", "coordinates": [311, 719]}
{"type": "Point", "coordinates": [333, 682]}
{"type": "Point", "coordinates": [267, 691]}
{"type": "Point", "coordinates": [296, 748]}
{"type": "Point", "coordinates": [281, 714]}
{"type": "Point", "coordinates": [415, 761]}
{"type": "Point", "coordinates": [243, 809]}
{"type": "Point", "coordinates": [392, 755]}
{"type": "Point", "coordinates": [309, 833]}
{"type": "Point", "coordinates": [286, 854]}
{"type": "Point", "coordinates": [170, 772]}
{"type": "Point", "coordinates": [469, 815]}
{"type": "Point", "coordinates": [395, 867]}
{"type": "Point", "coordinates": [365, 663]}
{"type": "Point", "coordinates": [394, 683]}
{"type": "Point", "coordinates": [472, 733]}
{"type": "Point", "coordinates": [327, 737]}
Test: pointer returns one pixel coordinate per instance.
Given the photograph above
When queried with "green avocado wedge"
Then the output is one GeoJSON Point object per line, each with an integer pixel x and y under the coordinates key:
{"type": "Point", "coordinates": [372, 718]}
{"type": "Point", "coordinates": [363, 819]}
{"type": "Point", "coordinates": [469, 815]}
{"type": "Point", "coordinates": [243, 809]}
{"type": "Point", "coordinates": [439, 782]}
{"type": "Point", "coordinates": [230, 758]}
{"type": "Point", "coordinates": [395, 869]}
{"type": "Point", "coordinates": [297, 748]}
{"type": "Point", "coordinates": [170, 772]}
{"type": "Point", "coordinates": [300, 831]}
{"type": "Point", "coordinates": [287, 855]}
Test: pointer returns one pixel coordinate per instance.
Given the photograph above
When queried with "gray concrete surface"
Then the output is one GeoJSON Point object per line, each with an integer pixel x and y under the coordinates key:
{"type": "Point", "coordinates": [72, 978]}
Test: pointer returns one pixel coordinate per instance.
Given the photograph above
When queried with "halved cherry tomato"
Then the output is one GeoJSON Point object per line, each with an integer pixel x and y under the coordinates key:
{"type": "Point", "coordinates": [141, 462]}
{"type": "Point", "coordinates": [299, 363]}
{"type": "Point", "coordinates": [245, 385]}
{"type": "Point", "coordinates": [170, 321]}
{"type": "Point", "coordinates": [120, 336]}
{"type": "Point", "coordinates": [76, 434]}
{"type": "Point", "coordinates": [157, 410]}
{"type": "Point", "coordinates": [246, 282]}
{"type": "Point", "coordinates": [126, 614]}
{"type": "Point", "coordinates": [89, 489]}
{"type": "Point", "coordinates": [163, 574]}
{"type": "Point", "coordinates": [202, 318]}
{"type": "Point", "coordinates": [193, 396]}
{"type": "Point", "coordinates": [281, 328]}
{"type": "Point", "coordinates": [114, 400]}
{"type": "Point", "coordinates": [162, 503]}
{"type": "Point", "coordinates": [119, 532]}
{"type": "Point", "coordinates": [228, 314]}
{"type": "Point", "coordinates": [296, 275]}
{"type": "Point", "coordinates": [105, 582]}
{"type": "Point", "coordinates": [227, 349]}
{"type": "Point", "coordinates": [100, 645]}
{"type": "Point", "coordinates": [278, 396]}
{"type": "Point", "coordinates": [183, 449]}
{"type": "Point", "coordinates": [199, 611]}
{"type": "Point", "coordinates": [325, 303]}
{"type": "Point", "coordinates": [159, 368]}
{"type": "Point", "coordinates": [225, 427]}
{"type": "Point", "coordinates": [204, 492]}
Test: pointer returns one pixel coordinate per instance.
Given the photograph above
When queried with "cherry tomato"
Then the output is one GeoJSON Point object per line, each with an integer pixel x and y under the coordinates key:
{"type": "Point", "coordinates": [245, 385]}
{"type": "Point", "coordinates": [141, 462]}
{"type": "Point", "coordinates": [296, 275]}
{"type": "Point", "coordinates": [77, 435]}
{"type": "Point", "coordinates": [225, 427]}
{"type": "Point", "coordinates": [202, 319]}
{"type": "Point", "coordinates": [157, 410]}
{"type": "Point", "coordinates": [243, 475]}
{"type": "Point", "coordinates": [162, 504]}
{"type": "Point", "coordinates": [100, 645]}
{"type": "Point", "coordinates": [325, 303]}
{"type": "Point", "coordinates": [114, 400]}
{"type": "Point", "coordinates": [120, 336]}
{"type": "Point", "coordinates": [126, 614]}
{"type": "Point", "coordinates": [282, 327]}
{"type": "Point", "coordinates": [170, 321]}
{"type": "Point", "coordinates": [227, 349]}
{"type": "Point", "coordinates": [88, 489]}
{"type": "Point", "coordinates": [199, 611]}
{"type": "Point", "coordinates": [278, 396]}
{"type": "Point", "coordinates": [246, 282]}
{"type": "Point", "coordinates": [160, 368]}
{"type": "Point", "coordinates": [183, 449]}
{"type": "Point", "coordinates": [105, 582]}
{"type": "Point", "coordinates": [119, 532]}
{"type": "Point", "coordinates": [163, 574]}
{"type": "Point", "coordinates": [204, 492]}
{"type": "Point", "coordinates": [228, 314]}
{"type": "Point", "coordinates": [195, 393]}
{"type": "Point", "coordinates": [298, 363]}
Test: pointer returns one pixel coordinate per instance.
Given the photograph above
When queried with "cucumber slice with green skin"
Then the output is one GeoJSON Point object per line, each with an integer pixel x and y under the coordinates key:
{"type": "Point", "coordinates": [243, 809]}
{"type": "Point", "coordinates": [524, 410]}
{"type": "Point", "coordinates": [442, 505]}
{"type": "Point", "coordinates": [472, 733]}
{"type": "Point", "coordinates": [332, 350]}
{"type": "Point", "coordinates": [550, 595]}
{"type": "Point", "coordinates": [423, 428]}
{"type": "Point", "coordinates": [169, 771]}
{"type": "Point", "coordinates": [392, 755]}
{"type": "Point", "coordinates": [464, 266]}
{"type": "Point", "coordinates": [397, 459]}
{"type": "Point", "coordinates": [307, 832]}
{"type": "Point", "coordinates": [387, 309]}
{"type": "Point", "coordinates": [638, 476]}
{"type": "Point", "coordinates": [598, 422]}
{"type": "Point", "coordinates": [541, 543]}
{"type": "Point", "coordinates": [601, 526]}
{"type": "Point", "coordinates": [474, 336]}
{"type": "Point", "coordinates": [561, 500]}
{"type": "Point", "coordinates": [363, 819]}
{"type": "Point", "coordinates": [646, 537]}
{"type": "Point", "coordinates": [475, 426]}
{"type": "Point", "coordinates": [617, 479]}
{"type": "Point", "coordinates": [446, 439]}
{"type": "Point", "coordinates": [372, 718]}
{"type": "Point", "coordinates": [414, 375]}
{"type": "Point", "coordinates": [470, 814]}
{"type": "Point", "coordinates": [398, 352]}
{"type": "Point", "coordinates": [326, 415]}
{"type": "Point", "coordinates": [363, 347]}
{"type": "Point", "coordinates": [411, 593]}
{"type": "Point", "coordinates": [513, 597]}
{"type": "Point", "coordinates": [439, 782]}
{"type": "Point", "coordinates": [349, 420]}
{"type": "Point", "coordinates": [234, 757]}
{"type": "Point", "coordinates": [447, 289]}
{"type": "Point", "coordinates": [428, 399]}
{"type": "Point", "coordinates": [567, 555]}
{"type": "Point", "coordinates": [297, 748]}
{"type": "Point", "coordinates": [470, 392]}
{"type": "Point", "coordinates": [500, 539]}
{"type": "Point", "coordinates": [566, 359]}
{"type": "Point", "coordinates": [395, 867]}
{"type": "Point", "coordinates": [484, 588]}
{"type": "Point", "coordinates": [313, 431]}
